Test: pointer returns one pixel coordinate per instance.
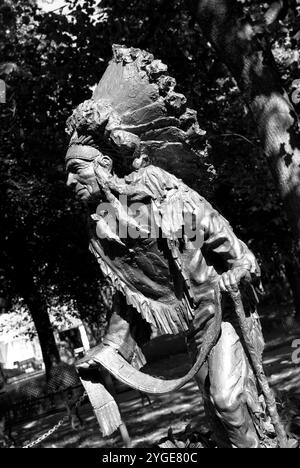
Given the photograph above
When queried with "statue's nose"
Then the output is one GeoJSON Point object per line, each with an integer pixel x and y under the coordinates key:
{"type": "Point", "coordinates": [71, 180]}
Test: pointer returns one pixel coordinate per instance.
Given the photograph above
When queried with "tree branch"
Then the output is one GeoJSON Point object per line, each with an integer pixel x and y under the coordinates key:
{"type": "Point", "coordinates": [233, 35]}
{"type": "Point", "coordinates": [242, 137]}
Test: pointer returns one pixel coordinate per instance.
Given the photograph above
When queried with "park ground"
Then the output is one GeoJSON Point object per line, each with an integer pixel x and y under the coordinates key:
{"type": "Point", "coordinates": [149, 421]}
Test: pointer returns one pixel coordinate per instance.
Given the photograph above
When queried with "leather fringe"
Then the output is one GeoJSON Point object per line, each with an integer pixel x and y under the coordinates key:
{"type": "Point", "coordinates": [168, 318]}
{"type": "Point", "coordinates": [104, 406]}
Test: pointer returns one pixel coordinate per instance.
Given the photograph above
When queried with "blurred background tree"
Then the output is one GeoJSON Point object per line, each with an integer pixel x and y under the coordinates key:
{"type": "Point", "coordinates": [50, 61]}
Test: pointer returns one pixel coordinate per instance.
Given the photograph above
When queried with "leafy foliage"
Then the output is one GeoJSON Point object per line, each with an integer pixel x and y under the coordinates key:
{"type": "Point", "coordinates": [50, 62]}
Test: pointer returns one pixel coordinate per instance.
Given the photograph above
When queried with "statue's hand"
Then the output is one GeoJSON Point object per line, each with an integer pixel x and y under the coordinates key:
{"type": "Point", "coordinates": [229, 281]}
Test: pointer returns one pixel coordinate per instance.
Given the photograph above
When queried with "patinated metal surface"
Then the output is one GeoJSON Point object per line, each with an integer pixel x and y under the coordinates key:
{"type": "Point", "coordinates": [133, 158]}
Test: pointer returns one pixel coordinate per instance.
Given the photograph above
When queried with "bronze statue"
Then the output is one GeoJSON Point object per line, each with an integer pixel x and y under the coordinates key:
{"type": "Point", "coordinates": [172, 258]}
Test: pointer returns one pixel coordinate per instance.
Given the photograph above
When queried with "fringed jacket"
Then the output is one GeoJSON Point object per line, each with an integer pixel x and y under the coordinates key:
{"type": "Point", "coordinates": [163, 246]}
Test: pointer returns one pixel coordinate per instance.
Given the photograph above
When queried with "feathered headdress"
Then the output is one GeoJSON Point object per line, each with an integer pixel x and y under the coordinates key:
{"type": "Point", "coordinates": [135, 111]}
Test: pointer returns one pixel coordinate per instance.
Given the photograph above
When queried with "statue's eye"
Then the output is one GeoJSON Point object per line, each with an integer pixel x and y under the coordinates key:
{"type": "Point", "coordinates": [73, 167]}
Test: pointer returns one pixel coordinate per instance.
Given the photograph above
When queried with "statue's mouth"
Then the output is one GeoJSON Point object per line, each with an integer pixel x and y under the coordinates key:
{"type": "Point", "coordinates": [81, 192]}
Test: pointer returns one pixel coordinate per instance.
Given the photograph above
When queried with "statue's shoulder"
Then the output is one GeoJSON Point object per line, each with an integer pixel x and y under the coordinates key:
{"type": "Point", "coordinates": [157, 173]}
{"type": "Point", "coordinates": [166, 189]}
{"type": "Point", "coordinates": [169, 185]}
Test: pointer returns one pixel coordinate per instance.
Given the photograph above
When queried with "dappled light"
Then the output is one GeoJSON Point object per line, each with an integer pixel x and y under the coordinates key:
{"type": "Point", "coordinates": [177, 125]}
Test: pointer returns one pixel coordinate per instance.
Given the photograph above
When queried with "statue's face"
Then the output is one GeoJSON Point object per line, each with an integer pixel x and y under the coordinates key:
{"type": "Point", "coordinates": [81, 173]}
{"type": "Point", "coordinates": [81, 176]}
{"type": "Point", "coordinates": [84, 175]}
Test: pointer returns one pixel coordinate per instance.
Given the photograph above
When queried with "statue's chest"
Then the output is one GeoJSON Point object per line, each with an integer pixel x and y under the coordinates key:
{"type": "Point", "coordinates": [135, 252]}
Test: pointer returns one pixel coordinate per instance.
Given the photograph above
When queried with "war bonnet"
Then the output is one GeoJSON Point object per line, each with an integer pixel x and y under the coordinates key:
{"type": "Point", "coordinates": [135, 111]}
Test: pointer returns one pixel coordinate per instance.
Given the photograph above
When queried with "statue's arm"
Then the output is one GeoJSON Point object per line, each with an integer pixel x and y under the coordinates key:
{"type": "Point", "coordinates": [220, 239]}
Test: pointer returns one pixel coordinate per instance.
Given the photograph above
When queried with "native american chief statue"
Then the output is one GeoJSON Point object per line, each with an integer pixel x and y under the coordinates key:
{"type": "Point", "coordinates": [172, 258]}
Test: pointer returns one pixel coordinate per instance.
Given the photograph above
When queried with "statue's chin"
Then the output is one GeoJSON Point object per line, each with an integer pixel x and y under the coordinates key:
{"type": "Point", "coordinates": [83, 194]}
{"type": "Point", "coordinates": [90, 198]}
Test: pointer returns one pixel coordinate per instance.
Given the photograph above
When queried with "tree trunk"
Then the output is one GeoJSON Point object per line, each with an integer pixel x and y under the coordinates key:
{"type": "Point", "coordinates": [25, 285]}
{"type": "Point", "coordinates": [251, 62]}
{"type": "Point", "coordinates": [39, 313]}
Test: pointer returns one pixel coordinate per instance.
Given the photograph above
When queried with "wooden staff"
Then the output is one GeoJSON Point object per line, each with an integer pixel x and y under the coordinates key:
{"type": "Point", "coordinates": [258, 369]}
